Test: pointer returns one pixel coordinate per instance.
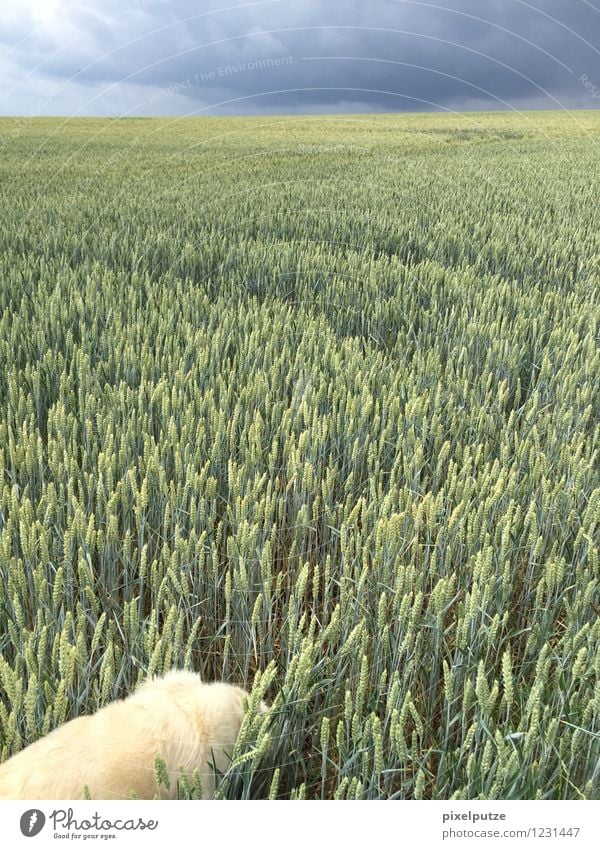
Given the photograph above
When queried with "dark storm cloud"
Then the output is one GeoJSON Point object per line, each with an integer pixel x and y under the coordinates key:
{"type": "Point", "coordinates": [174, 57]}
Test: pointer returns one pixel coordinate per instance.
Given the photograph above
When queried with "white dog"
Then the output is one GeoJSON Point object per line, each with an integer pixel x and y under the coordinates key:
{"type": "Point", "coordinates": [186, 722]}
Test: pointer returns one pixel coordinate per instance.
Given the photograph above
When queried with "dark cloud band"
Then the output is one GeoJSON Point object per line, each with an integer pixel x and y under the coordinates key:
{"type": "Point", "coordinates": [159, 57]}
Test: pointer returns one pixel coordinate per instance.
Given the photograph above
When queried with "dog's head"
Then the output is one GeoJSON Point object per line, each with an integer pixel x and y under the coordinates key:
{"type": "Point", "coordinates": [215, 704]}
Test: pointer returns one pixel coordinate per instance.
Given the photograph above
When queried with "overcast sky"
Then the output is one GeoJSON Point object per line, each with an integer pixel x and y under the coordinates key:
{"type": "Point", "coordinates": [185, 57]}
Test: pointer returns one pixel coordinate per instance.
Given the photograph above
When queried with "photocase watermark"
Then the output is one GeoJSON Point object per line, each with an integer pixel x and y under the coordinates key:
{"type": "Point", "coordinates": [594, 90]}
{"type": "Point", "coordinates": [66, 820]}
{"type": "Point", "coordinates": [66, 826]}
{"type": "Point", "coordinates": [32, 822]}
{"type": "Point", "coordinates": [203, 77]}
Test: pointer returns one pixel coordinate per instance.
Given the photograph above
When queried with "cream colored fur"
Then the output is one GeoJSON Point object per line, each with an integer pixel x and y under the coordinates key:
{"type": "Point", "coordinates": [113, 751]}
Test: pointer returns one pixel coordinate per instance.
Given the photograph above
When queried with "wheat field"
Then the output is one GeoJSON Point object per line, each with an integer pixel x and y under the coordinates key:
{"type": "Point", "coordinates": [310, 404]}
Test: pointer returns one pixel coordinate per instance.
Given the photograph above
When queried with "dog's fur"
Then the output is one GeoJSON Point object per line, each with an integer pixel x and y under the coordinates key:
{"type": "Point", "coordinates": [113, 751]}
